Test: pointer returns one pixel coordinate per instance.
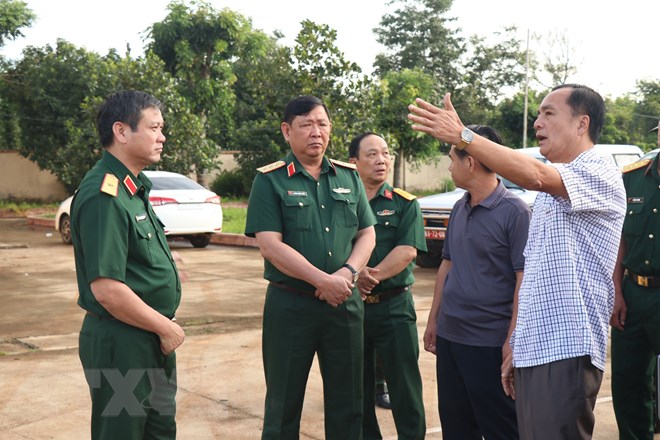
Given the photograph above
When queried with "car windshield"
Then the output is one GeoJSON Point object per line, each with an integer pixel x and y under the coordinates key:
{"type": "Point", "coordinates": [509, 184]}
{"type": "Point", "coordinates": [165, 183]}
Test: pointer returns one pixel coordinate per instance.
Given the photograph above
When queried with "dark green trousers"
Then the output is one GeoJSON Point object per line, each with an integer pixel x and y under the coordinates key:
{"type": "Point", "coordinates": [633, 360]}
{"type": "Point", "coordinates": [295, 328]}
{"type": "Point", "coordinates": [132, 383]}
{"type": "Point", "coordinates": [390, 330]}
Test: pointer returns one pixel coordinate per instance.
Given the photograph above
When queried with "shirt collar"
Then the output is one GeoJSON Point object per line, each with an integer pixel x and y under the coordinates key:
{"type": "Point", "coordinates": [293, 165]}
{"type": "Point", "coordinates": [385, 191]}
{"type": "Point", "coordinates": [493, 198]}
{"type": "Point", "coordinates": [125, 176]}
{"type": "Point", "coordinates": [653, 168]}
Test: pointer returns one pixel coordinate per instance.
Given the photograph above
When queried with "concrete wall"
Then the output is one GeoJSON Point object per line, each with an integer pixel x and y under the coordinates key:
{"type": "Point", "coordinates": [429, 176]}
{"type": "Point", "coordinates": [21, 178]}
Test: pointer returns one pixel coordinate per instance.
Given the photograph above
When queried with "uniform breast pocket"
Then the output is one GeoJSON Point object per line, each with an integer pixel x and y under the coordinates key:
{"type": "Point", "coordinates": [387, 221]}
{"type": "Point", "coordinates": [346, 209]}
{"type": "Point", "coordinates": [634, 222]}
{"type": "Point", "coordinates": [145, 240]}
{"type": "Point", "coordinates": [298, 212]}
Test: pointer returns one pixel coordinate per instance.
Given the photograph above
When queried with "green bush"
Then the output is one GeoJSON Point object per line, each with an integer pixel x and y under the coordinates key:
{"type": "Point", "coordinates": [229, 184]}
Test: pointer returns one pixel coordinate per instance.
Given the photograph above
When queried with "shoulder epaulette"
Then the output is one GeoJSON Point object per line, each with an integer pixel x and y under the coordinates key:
{"type": "Point", "coordinates": [405, 194]}
{"type": "Point", "coordinates": [271, 166]}
{"type": "Point", "coordinates": [110, 184]}
{"type": "Point", "coordinates": [636, 165]}
{"type": "Point", "coordinates": [344, 164]}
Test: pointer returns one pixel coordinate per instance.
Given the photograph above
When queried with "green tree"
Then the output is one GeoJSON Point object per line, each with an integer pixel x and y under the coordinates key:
{"type": "Point", "coordinates": [185, 145]}
{"type": "Point", "coordinates": [417, 35]}
{"type": "Point", "coordinates": [647, 112]}
{"type": "Point", "coordinates": [46, 89]}
{"type": "Point", "coordinates": [264, 85]}
{"type": "Point", "coordinates": [489, 71]}
{"type": "Point", "coordinates": [198, 45]}
{"type": "Point", "coordinates": [398, 90]}
{"type": "Point", "coordinates": [619, 126]}
{"type": "Point", "coordinates": [508, 118]}
{"type": "Point", "coordinates": [321, 69]}
{"type": "Point", "coordinates": [314, 65]}
{"type": "Point", "coordinates": [14, 15]}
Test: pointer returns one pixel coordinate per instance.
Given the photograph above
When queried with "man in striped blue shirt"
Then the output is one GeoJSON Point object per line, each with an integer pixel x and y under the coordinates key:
{"type": "Point", "coordinates": [566, 298]}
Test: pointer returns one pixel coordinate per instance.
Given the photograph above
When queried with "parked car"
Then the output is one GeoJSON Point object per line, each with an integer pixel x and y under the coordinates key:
{"type": "Point", "coordinates": [186, 208]}
{"type": "Point", "coordinates": [619, 154]}
{"type": "Point", "coordinates": [436, 208]}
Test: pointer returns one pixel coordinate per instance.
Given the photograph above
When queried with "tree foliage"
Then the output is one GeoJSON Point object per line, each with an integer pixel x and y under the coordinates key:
{"type": "Point", "coordinates": [417, 35]}
{"type": "Point", "coordinates": [14, 15]}
{"type": "Point", "coordinates": [224, 86]}
{"type": "Point", "coordinates": [399, 89]}
{"type": "Point", "coordinates": [198, 45]}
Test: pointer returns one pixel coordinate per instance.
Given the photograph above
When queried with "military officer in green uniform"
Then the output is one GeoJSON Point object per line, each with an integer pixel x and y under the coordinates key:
{"type": "Point", "coordinates": [390, 321]}
{"type": "Point", "coordinates": [636, 317]}
{"type": "Point", "coordinates": [127, 279]}
{"type": "Point", "coordinates": [312, 221]}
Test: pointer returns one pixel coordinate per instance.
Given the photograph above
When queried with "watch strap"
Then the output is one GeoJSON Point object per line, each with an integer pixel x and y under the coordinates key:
{"type": "Point", "coordinates": [351, 268]}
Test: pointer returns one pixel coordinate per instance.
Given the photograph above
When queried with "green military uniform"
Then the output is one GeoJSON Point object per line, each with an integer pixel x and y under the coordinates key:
{"type": "Point", "coordinates": [634, 348]}
{"type": "Point", "coordinates": [390, 325]}
{"type": "Point", "coordinates": [117, 235]}
{"type": "Point", "coordinates": [320, 220]}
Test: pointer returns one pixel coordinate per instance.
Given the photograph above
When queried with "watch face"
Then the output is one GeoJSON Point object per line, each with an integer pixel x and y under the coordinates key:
{"type": "Point", "coordinates": [467, 135]}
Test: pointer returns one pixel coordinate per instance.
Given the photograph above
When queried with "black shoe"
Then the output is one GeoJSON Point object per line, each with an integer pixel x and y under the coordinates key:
{"type": "Point", "coordinates": [383, 401]}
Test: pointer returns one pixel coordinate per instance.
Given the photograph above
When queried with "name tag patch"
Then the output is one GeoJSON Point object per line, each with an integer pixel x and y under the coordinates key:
{"type": "Point", "coordinates": [297, 193]}
{"type": "Point", "coordinates": [635, 199]}
{"type": "Point", "coordinates": [141, 217]}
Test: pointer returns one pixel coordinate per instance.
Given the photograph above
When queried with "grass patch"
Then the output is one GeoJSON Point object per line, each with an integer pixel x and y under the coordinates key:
{"type": "Point", "coordinates": [446, 186]}
{"type": "Point", "coordinates": [22, 208]}
{"type": "Point", "coordinates": [233, 219]}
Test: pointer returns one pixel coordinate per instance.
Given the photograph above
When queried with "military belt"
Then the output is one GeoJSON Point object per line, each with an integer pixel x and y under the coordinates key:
{"type": "Point", "coordinates": [643, 281]}
{"type": "Point", "coordinates": [385, 295]}
{"type": "Point", "coordinates": [300, 292]}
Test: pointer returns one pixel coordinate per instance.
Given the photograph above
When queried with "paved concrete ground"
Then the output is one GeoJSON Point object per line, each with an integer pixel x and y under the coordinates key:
{"type": "Point", "coordinates": [43, 394]}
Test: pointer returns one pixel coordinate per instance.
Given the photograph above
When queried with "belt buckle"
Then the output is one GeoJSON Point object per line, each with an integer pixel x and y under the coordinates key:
{"type": "Point", "coordinates": [642, 281]}
{"type": "Point", "coordinates": [372, 299]}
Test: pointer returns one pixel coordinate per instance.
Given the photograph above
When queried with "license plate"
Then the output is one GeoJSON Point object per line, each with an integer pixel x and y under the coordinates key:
{"type": "Point", "coordinates": [434, 234]}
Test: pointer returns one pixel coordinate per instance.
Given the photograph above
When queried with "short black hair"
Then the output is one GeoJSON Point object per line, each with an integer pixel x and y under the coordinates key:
{"type": "Point", "coordinates": [354, 146]}
{"type": "Point", "coordinates": [125, 106]}
{"type": "Point", "coordinates": [485, 131]}
{"type": "Point", "coordinates": [301, 106]}
{"type": "Point", "coordinates": [584, 100]}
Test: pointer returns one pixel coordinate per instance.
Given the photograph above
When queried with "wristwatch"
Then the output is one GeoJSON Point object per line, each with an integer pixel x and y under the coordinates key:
{"type": "Point", "coordinates": [467, 136]}
{"type": "Point", "coordinates": [353, 271]}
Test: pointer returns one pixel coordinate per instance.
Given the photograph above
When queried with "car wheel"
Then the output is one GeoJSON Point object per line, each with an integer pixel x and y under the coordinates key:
{"type": "Point", "coordinates": [65, 228]}
{"type": "Point", "coordinates": [428, 260]}
{"type": "Point", "coordinates": [200, 241]}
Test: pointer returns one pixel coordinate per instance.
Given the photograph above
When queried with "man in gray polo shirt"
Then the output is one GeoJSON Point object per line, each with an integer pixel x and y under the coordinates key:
{"type": "Point", "coordinates": [471, 316]}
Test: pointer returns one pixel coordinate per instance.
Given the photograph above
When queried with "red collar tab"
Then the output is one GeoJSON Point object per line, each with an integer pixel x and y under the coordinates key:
{"type": "Point", "coordinates": [387, 194]}
{"type": "Point", "coordinates": [291, 169]}
{"type": "Point", "coordinates": [130, 185]}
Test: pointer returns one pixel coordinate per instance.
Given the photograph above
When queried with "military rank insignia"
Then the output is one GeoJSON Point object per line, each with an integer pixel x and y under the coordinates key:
{"type": "Point", "coordinates": [635, 165]}
{"type": "Point", "coordinates": [405, 194]}
{"type": "Point", "coordinates": [110, 185]}
{"type": "Point", "coordinates": [130, 185]}
{"type": "Point", "coordinates": [271, 167]}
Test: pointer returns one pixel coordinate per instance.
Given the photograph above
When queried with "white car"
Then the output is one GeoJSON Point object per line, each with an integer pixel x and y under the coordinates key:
{"type": "Point", "coordinates": [186, 208]}
{"type": "Point", "coordinates": [436, 208]}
